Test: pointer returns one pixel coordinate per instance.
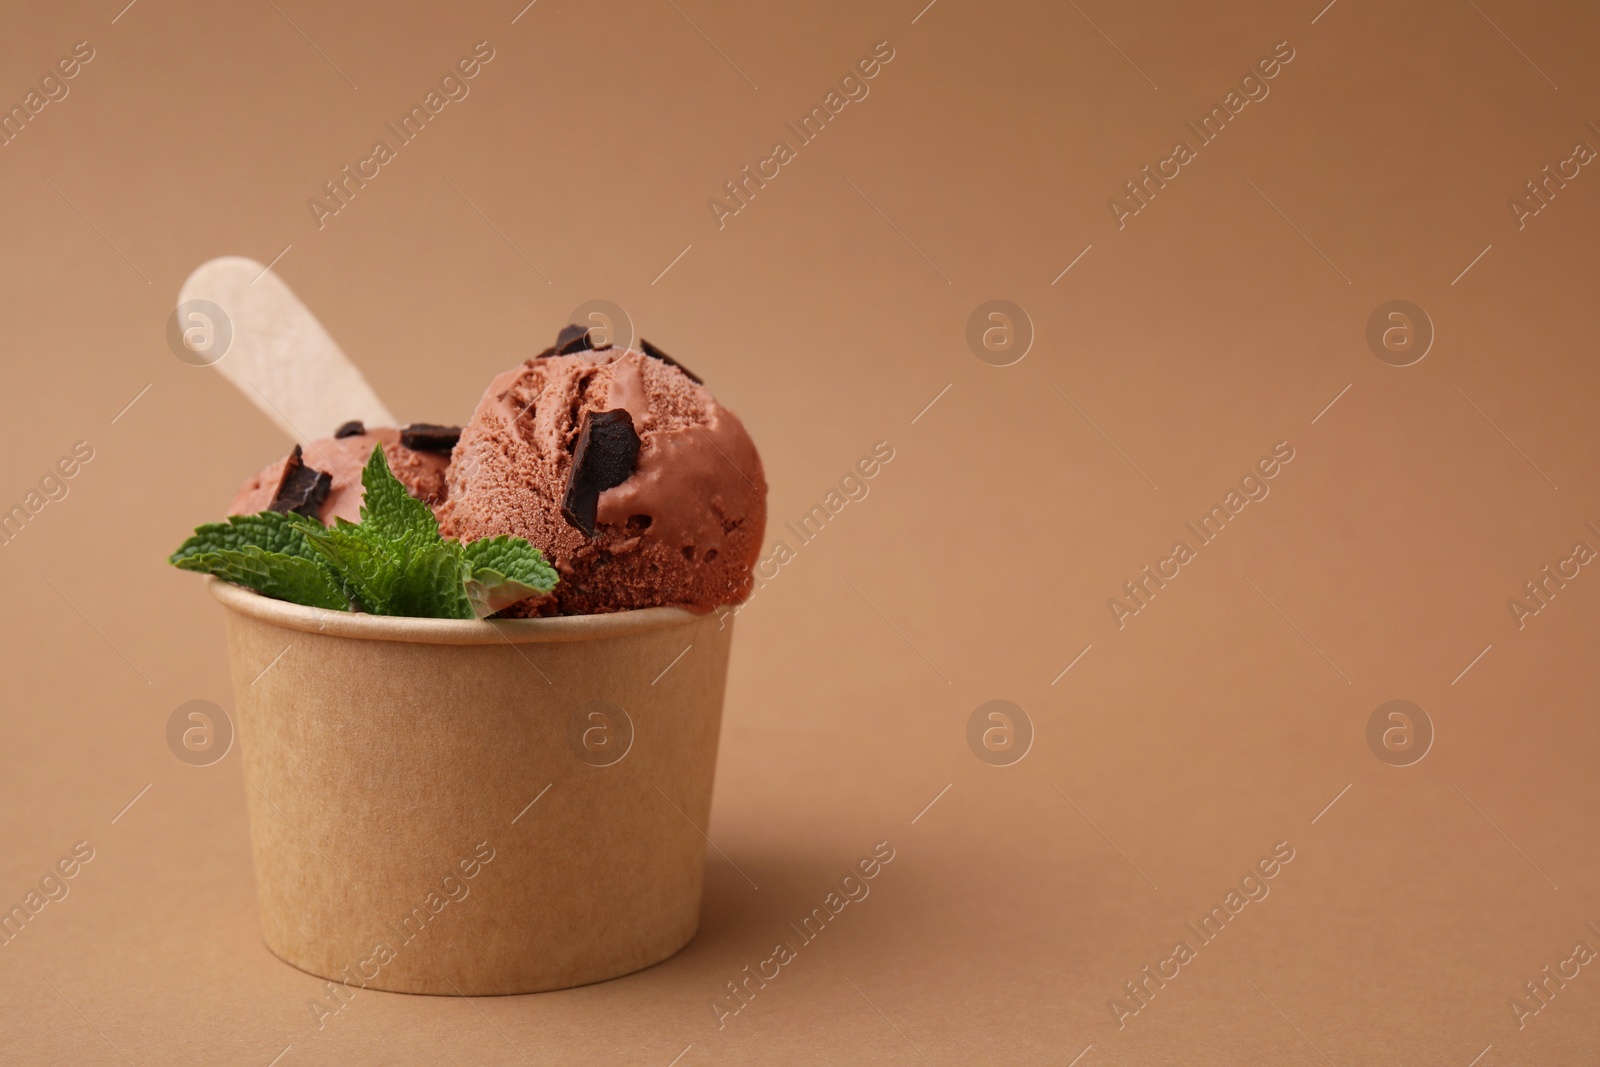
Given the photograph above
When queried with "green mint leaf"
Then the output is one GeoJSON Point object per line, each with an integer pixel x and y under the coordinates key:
{"type": "Point", "coordinates": [275, 574]}
{"type": "Point", "coordinates": [391, 563]}
{"type": "Point", "coordinates": [410, 576]}
{"type": "Point", "coordinates": [365, 566]}
{"type": "Point", "coordinates": [268, 531]}
{"type": "Point", "coordinates": [504, 570]}
{"type": "Point", "coordinates": [388, 511]}
{"type": "Point", "coordinates": [431, 583]}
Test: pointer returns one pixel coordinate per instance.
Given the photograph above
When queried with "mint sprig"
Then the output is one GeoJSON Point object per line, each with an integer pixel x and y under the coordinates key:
{"type": "Point", "coordinates": [270, 531]}
{"type": "Point", "coordinates": [504, 571]}
{"type": "Point", "coordinates": [275, 574]}
{"type": "Point", "coordinates": [393, 562]}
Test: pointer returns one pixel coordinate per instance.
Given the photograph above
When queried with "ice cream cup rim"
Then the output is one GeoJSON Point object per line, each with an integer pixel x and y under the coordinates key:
{"type": "Point", "coordinates": [445, 631]}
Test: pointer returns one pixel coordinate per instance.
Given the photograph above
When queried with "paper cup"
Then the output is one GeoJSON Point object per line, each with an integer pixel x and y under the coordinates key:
{"type": "Point", "coordinates": [466, 807]}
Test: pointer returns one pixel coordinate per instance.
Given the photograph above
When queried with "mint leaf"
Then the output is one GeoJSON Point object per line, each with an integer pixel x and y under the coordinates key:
{"type": "Point", "coordinates": [388, 511]}
{"type": "Point", "coordinates": [430, 583]}
{"type": "Point", "coordinates": [504, 570]}
{"type": "Point", "coordinates": [269, 531]}
{"type": "Point", "coordinates": [276, 574]}
{"type": "Point", "coordinates": [393, 562]}
{"type": "Point", "coordinates": [365, 567]}
{"type": "Point", "coordinates": [396, 577]}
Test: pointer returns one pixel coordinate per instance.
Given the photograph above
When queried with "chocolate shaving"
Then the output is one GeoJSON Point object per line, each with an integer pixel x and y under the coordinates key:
{"type": "Point", "coordinates": [655, 353]}
{"type": "Point", "coordinates": [426, 437]}
{"type": "Point", "coordinates": [605, 456]}
{"type": "Point", "coordinates": [572, 338]}
{"type": "Point", "coordinates": [302, 488]}
{"type": "Point", "coordinates": [353, 428]}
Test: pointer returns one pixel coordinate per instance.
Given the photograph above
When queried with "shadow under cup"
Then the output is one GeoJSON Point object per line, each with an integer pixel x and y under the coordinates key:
{"type": "Point", "coordinates": [465, 807]}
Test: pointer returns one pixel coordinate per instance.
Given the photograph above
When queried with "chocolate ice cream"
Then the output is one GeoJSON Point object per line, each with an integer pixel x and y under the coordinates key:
{"type": "Point", "coordinates": [626, 472]}
{"type": "Point", "coordinates": [292, 483]}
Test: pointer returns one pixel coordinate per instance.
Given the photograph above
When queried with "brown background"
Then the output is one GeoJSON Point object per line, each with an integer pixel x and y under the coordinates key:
{"type": "Point", "coordinates": [1221, 720]}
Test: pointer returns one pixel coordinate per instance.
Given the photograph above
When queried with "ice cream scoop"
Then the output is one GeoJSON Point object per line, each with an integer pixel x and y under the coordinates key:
{"type": "Point", "coordinates": [284, 485]}
{"type": "Point", "coordinates": [617, 463]}
{"type": "Point", "coordinates": [635, 482]}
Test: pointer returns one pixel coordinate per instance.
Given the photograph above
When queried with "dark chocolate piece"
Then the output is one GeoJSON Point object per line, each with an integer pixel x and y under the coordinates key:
{"type": "Point", "coordinates": [546, 354]}
{"type": "Point", "coordinates": [655, 353]}
{"type": "Point", "coordinates": [605, 456]}
{"type": "Point", "coordinates": [572, 338]}
{"type": "Point", "coordinates": [426, 437]}
{"type": "Point", "coordinates": [302, 488]}
{"type": "Point", "coordinates": [353, 428]}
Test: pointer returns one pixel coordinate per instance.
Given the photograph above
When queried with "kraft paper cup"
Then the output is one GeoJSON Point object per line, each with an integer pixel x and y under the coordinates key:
{"type": "Point", "coordinates": [466, 807]}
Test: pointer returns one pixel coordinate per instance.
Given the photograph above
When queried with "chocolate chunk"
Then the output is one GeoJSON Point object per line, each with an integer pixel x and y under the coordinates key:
{"type": "Point", "coordinates": [655, 353]}
{"type": "Point", "coordinates": [572, 338]}
{"type": "Point", "coordinates": [426, 437]}
{"type": "Point", "coordinates": [605, 456]}
{"type": "Point", "coordinates": [353, 428]}
{"type": "Point", "coordinates": [302, 488]}
{"type": "Point", "coordinates": [546, 354]}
